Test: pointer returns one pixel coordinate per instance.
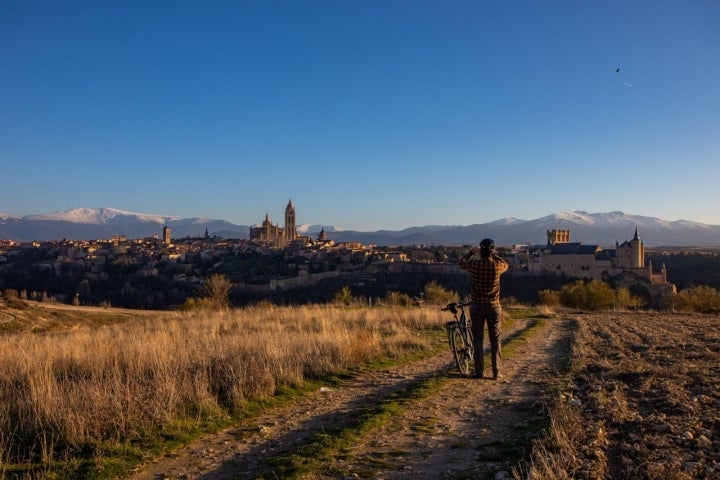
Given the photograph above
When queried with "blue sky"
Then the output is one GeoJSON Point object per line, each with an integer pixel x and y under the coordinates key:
{"type": "Point", "coordinates": [367, 114]}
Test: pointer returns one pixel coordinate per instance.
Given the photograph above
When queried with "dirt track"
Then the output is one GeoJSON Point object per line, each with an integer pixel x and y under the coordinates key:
{"type": "Point", "coordinates": [467, 428]}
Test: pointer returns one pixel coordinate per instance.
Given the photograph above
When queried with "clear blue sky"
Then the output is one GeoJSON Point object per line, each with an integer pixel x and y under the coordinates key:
{"type": "Point", "coordinates": [367, 114]}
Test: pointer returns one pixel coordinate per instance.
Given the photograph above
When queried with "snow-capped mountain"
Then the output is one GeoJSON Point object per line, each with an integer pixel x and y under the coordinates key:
{"type": "Point", "coordinates": [100, 216]}
{"type": "Point", "coordinates": [94, 223]}
{"type": "Point", "coordinates": [604, 229]}
{"type": "Point", "coordinates": [308, 229]}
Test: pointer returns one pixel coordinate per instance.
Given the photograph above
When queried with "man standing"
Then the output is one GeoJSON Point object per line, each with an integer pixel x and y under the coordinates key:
{"type": "Point", "coordinates": [485, 270]}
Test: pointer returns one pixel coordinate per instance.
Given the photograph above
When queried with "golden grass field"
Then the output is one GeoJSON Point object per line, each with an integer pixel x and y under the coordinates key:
{"type": "Point", "coordinates": [70, 387]}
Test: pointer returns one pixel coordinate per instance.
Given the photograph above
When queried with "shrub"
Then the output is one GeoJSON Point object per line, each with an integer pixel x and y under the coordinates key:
{"type": "Point", "coordinates": [11, 293]}
{"type": "Point", "coordinates": [701, 299]}
{"type": "Point", "coordinates": [594, 295]}
{"type": "Point", "coordinates": [438, 295]}
{"type": "Point", "coordinates": [550, 298]}
{"type": "Point", "coordinates": [343, 296]}
{"type": "Point", "coordinates": [216, 291]}
{"type": "Point", "coordinates": [626, 299]}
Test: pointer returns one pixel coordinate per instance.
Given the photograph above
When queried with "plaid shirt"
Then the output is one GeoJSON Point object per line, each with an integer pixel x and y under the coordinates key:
{"type": "Point", "coordinates": [485, 277]}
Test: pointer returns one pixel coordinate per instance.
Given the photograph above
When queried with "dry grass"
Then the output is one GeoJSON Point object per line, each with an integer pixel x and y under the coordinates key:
{"type": "Point", "coordinates": [66, 392]}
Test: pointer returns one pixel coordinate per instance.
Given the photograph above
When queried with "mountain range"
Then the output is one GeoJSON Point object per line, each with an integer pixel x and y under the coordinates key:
{"type": "Point", "coordinates": [603, 229]}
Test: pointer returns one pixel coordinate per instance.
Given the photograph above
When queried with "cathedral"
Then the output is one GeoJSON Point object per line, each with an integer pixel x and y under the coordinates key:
{"type": "Point", "coordinates": [273, 234]}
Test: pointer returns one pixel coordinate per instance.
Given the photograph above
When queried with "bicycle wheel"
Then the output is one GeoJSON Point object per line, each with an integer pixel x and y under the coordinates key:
{"type": "Point", "coordinates": [462, 351]}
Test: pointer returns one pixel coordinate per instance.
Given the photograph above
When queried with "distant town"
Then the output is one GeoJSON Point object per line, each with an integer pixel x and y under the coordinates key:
{"type": "Point", "coordinates": [162, 271]}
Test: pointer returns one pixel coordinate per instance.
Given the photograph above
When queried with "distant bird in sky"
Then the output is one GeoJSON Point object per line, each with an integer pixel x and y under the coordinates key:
{"type": "Point", "coordinates": [617, 70]}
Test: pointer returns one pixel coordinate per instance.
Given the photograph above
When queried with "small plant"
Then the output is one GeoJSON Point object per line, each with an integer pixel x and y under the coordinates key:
{"type": "Point", "coordinates": [398, 299]}
{"type": "Point", "coordinates": [343, 296]}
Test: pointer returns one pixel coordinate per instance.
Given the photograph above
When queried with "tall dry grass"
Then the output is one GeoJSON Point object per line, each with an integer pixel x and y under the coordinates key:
{"type": "Point", "coordinates": [63, 392]}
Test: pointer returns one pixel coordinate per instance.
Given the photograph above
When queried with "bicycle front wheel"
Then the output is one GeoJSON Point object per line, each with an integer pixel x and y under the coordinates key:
{"type": "Point", "coordinates": [462, 350]}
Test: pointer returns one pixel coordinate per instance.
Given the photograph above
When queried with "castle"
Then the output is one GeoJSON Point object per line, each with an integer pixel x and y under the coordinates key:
{"type": "Point", "coordinates": [573, 259]}
{"type": "Point", "coordinates": [274, 235]}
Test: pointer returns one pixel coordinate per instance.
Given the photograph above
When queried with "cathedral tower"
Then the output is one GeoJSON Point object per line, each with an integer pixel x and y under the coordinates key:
{"type": "Point", "coordinates": [290, 229]}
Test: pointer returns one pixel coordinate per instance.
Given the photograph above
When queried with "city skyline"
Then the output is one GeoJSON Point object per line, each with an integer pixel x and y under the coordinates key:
{"type": "Point", "coordinates": [373, 115]}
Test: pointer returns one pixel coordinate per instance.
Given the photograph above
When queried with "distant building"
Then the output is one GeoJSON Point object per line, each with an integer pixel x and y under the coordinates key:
{"type": "Point", "coordinates": [166, 235]}
{"type": "Point", "coordinates": [322, 236]}
{"type": "Point", "coordinates": [573, 259]}
{"type": "Point", "coordinates": [274, 235]}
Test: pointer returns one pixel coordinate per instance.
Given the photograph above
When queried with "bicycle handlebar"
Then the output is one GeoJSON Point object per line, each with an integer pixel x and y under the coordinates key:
{"type": "Point", "coordinates": [452, 307]}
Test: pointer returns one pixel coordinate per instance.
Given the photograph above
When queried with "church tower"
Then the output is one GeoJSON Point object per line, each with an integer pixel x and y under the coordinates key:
{"type": "Point", "coordinates": [290, 229]}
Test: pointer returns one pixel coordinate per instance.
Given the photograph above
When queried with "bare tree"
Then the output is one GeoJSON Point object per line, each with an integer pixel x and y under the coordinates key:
{"type": "Point", "coordinates": [216, 291]}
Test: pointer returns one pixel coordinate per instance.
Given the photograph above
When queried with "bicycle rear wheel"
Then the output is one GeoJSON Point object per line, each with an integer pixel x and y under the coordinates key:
{"type": "Point", "coordinates": [462, 350]}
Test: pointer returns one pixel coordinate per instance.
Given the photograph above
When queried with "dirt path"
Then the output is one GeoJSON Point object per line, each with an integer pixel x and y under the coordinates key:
{"type": "Point", "coordinates": [468, 428]}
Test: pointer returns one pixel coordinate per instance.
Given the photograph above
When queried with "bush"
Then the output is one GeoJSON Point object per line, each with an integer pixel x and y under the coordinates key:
{"type": "Point", "coordinates": [594, 295]}
{"type": "Point", "coordinates": [626, 299]}
{"type": "Point", "coordinates": [343, 296]}
{"type": "Point", "coordinates": [215, 292]}
{"type": "Point", "coordinates": [550, 298]}
{"type": "Point", "coordinates": [11, 293]}
{"type": "Point", "coordinates": [436, 294]}
{"type": "Point", "coordinates": [702, 299]}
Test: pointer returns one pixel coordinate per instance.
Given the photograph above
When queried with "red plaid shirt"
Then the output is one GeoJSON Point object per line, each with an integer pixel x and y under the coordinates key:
{"type": "Point", "coordinates": [485, 277]}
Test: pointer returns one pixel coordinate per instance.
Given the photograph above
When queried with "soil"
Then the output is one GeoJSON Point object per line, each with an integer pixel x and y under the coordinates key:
{"type": "Point", "coordinates": [649, 396]}
{"type": "Point", "coordinates": [469, 428]}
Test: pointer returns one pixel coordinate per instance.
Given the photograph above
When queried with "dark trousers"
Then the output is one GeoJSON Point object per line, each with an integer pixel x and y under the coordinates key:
{"type": "Point", "coordinates": [479, 315]}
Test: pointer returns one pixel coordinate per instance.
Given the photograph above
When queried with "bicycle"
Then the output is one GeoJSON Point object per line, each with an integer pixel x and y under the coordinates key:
{"type": "Point", "coordinates": [460, 336]}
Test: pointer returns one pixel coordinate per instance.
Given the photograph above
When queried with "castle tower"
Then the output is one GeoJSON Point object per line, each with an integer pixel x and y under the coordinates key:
{"type": "Point", "coordinates": [322, 237]}
{"type": "Point", "coordinates": [166, 235]}
{"type": "Point", "coordinates": [558, 236]}
{"type": "Point", "coordinates": [290, 229]}
{"type": "Point", "coordinates": [637, 259]}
